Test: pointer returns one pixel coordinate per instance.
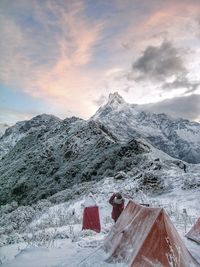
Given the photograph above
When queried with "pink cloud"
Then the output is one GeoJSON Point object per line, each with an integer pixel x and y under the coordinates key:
{"type": "Point", "coordinates": [69, 78]}
{"type": "Point", "coordinates": [64, 80]}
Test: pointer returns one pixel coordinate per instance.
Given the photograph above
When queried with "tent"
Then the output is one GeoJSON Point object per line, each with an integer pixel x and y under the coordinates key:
{"type": "Point", "coordinates": [194, 233]}
{"type": "Point", "coordinates": [91, 215]}
{"type": "Point", "coordinates": [145, 237]}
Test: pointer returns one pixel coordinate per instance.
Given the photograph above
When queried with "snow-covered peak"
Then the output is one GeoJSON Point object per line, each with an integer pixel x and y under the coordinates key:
{"type": "Point", "coordinates": [177, 137]}
{"type": "Point", "coordinates": [115, 98]}
{"type": "Point", "coordinates": [116, 106]}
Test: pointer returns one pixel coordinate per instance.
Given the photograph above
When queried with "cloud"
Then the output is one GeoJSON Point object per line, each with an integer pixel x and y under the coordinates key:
{"type": "Point", "coordinates": [101, 100]}
{"type": "Point", "coordinates": [182, 82]}
{"type": "Point", "coordinates": [64, 52]}
{"type": "Point", "coordinates": [185, 107]}
{"type": "Point", "coordinates": [47, 50]}
{"type": "Point", "coordinates": [126, 88]}
{"type": "Point", "coordinates": [11, 115]}
{"type": "Point", "coordinates": [11, 39]}
{"type": "Point", "coordinates": [158, 63]}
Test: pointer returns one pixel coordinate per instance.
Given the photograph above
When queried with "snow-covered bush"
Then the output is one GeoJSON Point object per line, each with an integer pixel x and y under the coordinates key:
{"type": "Point", "coordinates": [191, 183]}
{"type": "Point", "coordinates": [17, 220]}
{"type": "Point", "coordinates": [8, 207]}
{"type": "Point", "coordinates": [10, 239]}
{"type": "Point", "coordinates": [42, 205]}
{"type": "Point", "coordinates": [56, 217]}
{"type": "Point", "coordinates": [41, 238]}
{"type": "Point", "coordinates": [73, 193]}
{"type": "Point", "coordinates": [150, 182]}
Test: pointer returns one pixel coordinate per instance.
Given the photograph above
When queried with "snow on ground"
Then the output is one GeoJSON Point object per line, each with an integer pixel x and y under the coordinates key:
{"type": "Point", "coordinates": [63, 254]}
{"type": "Point", "coordinates": [70, 246]}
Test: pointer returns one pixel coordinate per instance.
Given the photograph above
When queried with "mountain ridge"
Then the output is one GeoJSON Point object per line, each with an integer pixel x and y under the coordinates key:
{"type": "Point", "coordinates": [47, 160]}
{"type": "Point", "coordinates": [45, 155]}
{"type": "Point", "coordinates": [180, 138]}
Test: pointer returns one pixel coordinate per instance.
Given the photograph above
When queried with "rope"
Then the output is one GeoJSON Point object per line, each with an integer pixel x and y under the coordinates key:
{"type": "Point", "coordinates": [89, 256]}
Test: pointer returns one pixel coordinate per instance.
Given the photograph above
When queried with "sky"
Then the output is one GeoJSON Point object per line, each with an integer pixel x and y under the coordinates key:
{"type": "Point", "coordinates": [64, 57]}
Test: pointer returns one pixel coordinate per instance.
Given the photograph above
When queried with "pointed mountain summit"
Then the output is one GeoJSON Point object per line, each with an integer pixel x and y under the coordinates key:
{"type": "Point", "coordinates": [179, 138]}
{"type": "Point", "coordinates": [114, 105]}
{"type": "Point", "coordinates": [115, 98]}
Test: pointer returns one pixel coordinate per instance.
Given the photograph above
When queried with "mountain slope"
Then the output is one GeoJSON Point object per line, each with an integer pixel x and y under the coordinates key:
{"type": "Point", "coordinates": [13, 134]}
{"type": "Point", "coordinates": [177, 137]}
{"type": "Point", "coordinates": [45, 155]}
{"type": "Point", "coordinates": [46, 160]}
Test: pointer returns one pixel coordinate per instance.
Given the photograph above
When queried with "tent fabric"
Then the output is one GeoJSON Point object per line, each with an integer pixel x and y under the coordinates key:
{"type": "Point", "coordinates": [145, 237]}
{"type": "Point", "coordinates": [194, 233]}
{"type": "Point", "coordinates": [91, 219]}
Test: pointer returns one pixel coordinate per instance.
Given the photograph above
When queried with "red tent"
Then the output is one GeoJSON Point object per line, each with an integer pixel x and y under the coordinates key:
{"type": "Point", "coordinates": [145, 237]}
{"type": "Point", "coordinates": [91, 215]}
{"type": "Point", "coordinates": [194, 233]}
{"type": "Point", "coordinates": [91, 219]}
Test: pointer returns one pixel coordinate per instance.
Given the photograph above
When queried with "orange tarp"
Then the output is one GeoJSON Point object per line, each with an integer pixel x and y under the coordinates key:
{"type": "Point", "coordinates": [145, 237]}
{"type": "Point", "coordinates": [194, 233]}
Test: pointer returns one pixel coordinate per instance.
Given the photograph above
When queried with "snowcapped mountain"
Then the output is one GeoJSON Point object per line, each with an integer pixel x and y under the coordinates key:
{"type": "Point", "coordinates": [41, 233]}
{"type": "Point", "coordinates": [49, 167]}
{"type": "Point", "coordinates": [46, 158]}
{"type": "Point", "coordinates": [177, 137]}
{"type": "Point", "coordinates": [45, 155]}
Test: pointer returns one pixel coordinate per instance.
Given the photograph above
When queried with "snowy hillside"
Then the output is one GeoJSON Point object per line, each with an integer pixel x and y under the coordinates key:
{"type": "Point", "coordinates": [49, 166]}
{"type": "Point", "coordinates": [45, 161]}
{"type": "Point", "coordinates": [177, 137]}
{"type": "Point", "coordinates": [49, 233]}
{"type": "Point", "coordinates": [45, 155]}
